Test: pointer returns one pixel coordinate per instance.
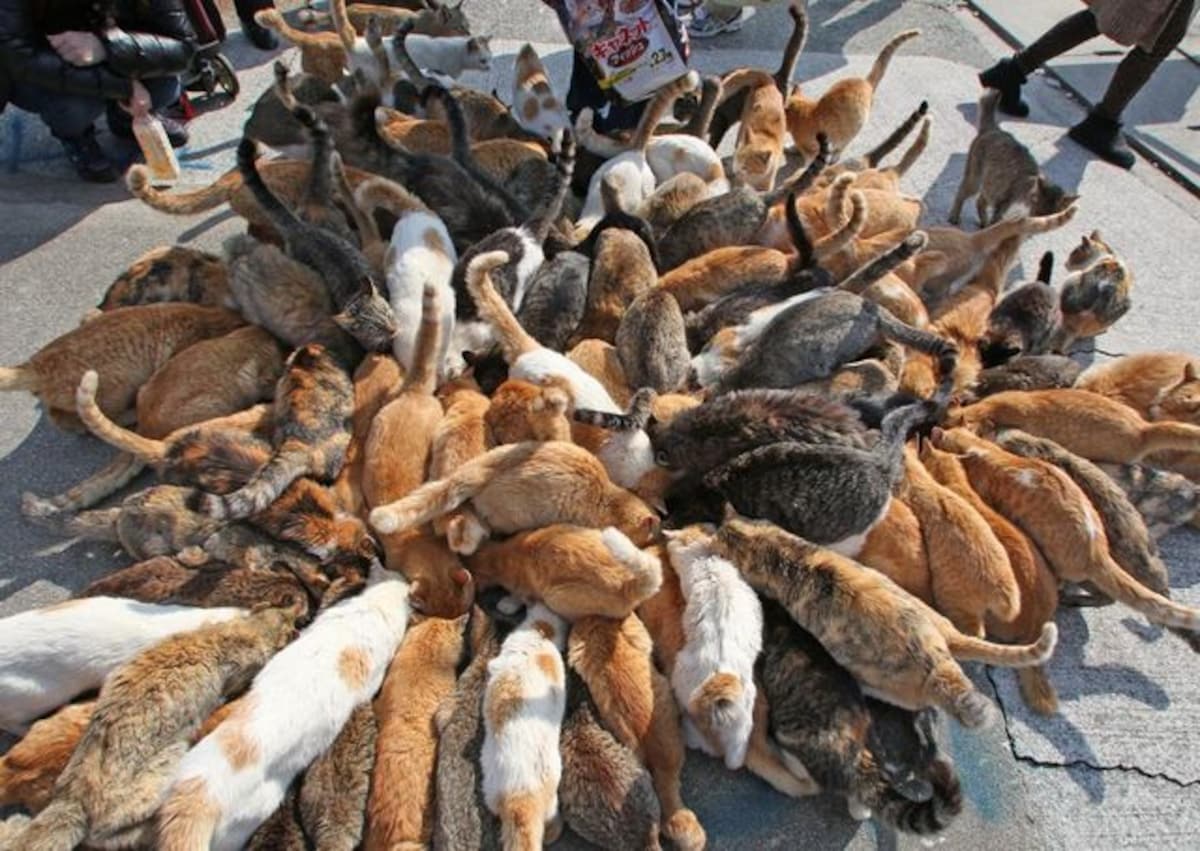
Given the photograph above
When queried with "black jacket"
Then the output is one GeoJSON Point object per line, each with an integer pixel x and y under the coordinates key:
{"type": "Point", "coordinates": [154, 38]}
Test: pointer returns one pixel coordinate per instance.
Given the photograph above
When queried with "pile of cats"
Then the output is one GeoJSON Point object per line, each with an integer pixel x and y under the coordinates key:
{"type": "Point", "coordinates": [500, 461]}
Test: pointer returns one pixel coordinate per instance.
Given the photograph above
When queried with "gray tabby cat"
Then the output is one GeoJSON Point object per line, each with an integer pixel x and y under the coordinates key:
{"type": "Point", "coordinates": [1025, 321]}
{"type": "Point", "coordinates": [652, 342]}
{"type": "Point", "coordinates": [556, 299]}
{"type": "Point", "coordinates": [1027, 372]}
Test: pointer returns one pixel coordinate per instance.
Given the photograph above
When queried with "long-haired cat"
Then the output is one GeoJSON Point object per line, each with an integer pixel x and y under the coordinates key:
{"type": "Point", "coordinates": [140, 728]}
{"type": "Point", "coordinates": [1158, 385]}
{"type": "Point", "coordinates": [171, 273]}
{"type": "Point", "coordinates": [713, 673]}
{"type": "Point", "coordinates": [419, 678]}
{"type": "Point", "coordinates": [29, 768]}
{"type": "Point", "coordinates": [575, 571]}
{"type": "Point", "coordinates": [896, 646]}
{"type": "Point", "coordinates": [523, 709]}
{"type": "Point", "coordinates": [235, 777]}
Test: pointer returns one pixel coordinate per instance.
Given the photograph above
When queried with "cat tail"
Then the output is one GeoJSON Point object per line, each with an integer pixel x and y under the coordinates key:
{"type": "Point", "coordinates": [645, 569]}
{"type": "Point", "coordinates": [711, 90]}
{"type": "Point", "coordinates": [564, 166]}
{"type": "Point", "coordinates": [272, 19]}
{"type": "Point", "coordinates": [276, 210]}
{"type": "Point", "coordinates": [635, 419]}
{"type": "Point", "coordinates": [1021, 228]}
{"type": "Point", "coordinates": [880, 66]}
{"type": "Point", "coordinates": [342, 25]}
{"type": "Point", "coordinates": [793, 48]}
{"type": "Point", "coordinates": [923, 341]}
{"type": "Point", "coordinates": [835, 204]}
{"type": "Point", "coordinates": [144, 449]}
{"type": "Point", "coordinates": [744, 78]}
{"type": "Point", "coordinates": [405, 60]}
{"type": "Point", "coordinates": [848, 232]}
{"type": "Point", "coordinates": [805, 255]}
{"type": "Point", "coordinates": [283, 86]}
{"type": "Point", "coordinates": [514, 340]}
{"type": "Point", "coordinates": [522, 823]}
{"type": "Point", "coordinates": [966, 648]}
{"type": "Point", "coordinates": [285, 466]}
{"type": "Point", "coordinates": [1123, 588]}
{"type": "Point", "coordinates": [320, 179]}
{"type": "Point", "coordinates": [61, 826]}
{"type": "Point", "coordinates": [422, 377]}
{"type": "Point", "coordinates": [1046, 267]}
{"type": "Point", "coordinates": [869, 273]}
{"type": "Point", "coordinates": [925, 818]}
{"type": "Point", "coordinates": [987, 111]}
{"type": "Point", "coordinates": [801, 182]}
{"type": "Point", "coordinates": [663, 100]}
{"type": "Point", "coordinates": [97, 525]}
{"type": "Point", "coordinates": [875, 156]}
{"type": "Point", "coordinates": [376, 192]}
{"type": "Point", "coordinates": [200, 200]}
{"type": "Point", "coordinates": [364, 223]}
{"type": "Point", "coordinates": [916, 148]}
{"type": "Point", "coordinates": [18, 378]}
{"type": "Point", "coordinates": [433, 499]}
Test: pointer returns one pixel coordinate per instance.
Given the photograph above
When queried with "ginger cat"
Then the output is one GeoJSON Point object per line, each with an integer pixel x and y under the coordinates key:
{"type": "Point", "coordinates": [702, 280]}
{"type": "Point", "coordinates": [634, 701]}
{"type": "Point", "coordinates": [575, 571]}
{"type": "Point", "coordinates": [970, 573]}
{"type": "Point", "coordinates": [1086, 423]}
{"type": "Point", "coordinates": [914, 666]}
{"type": "Point", "coordinates": [521, 410]}
{"type": "Point", "coordinates": [420, 677]}
{"type": "Point", "coordinates": [29, 769]}
{"type": "Point", "coordinates": [622, 270]}
{"type": "Point", "coordinates": [171, 273]}
{"type": "Point", "coordinates": [896, 548]}
{"type": "Point", "coordinates": [759, 151]}
{"type": "Point", "coordinates": [1158, 385]}
{"type": "Point", "coordinates": [600, 360]}
{"type": "Point", "coordinates": [842, 111]}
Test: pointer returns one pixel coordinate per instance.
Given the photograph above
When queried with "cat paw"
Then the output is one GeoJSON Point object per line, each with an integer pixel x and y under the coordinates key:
{"type": "Point", "coordinates": [974, 710]}
{"type": "Point", "coordinates": [510, 604]}
{"type": "Point", "coordinates": [685, 830]}
{"type": "Point", "coordinates": [34, 506]}
{"type": "Point", "coordinates": [857, 809]}
{"type": "Point", "coordinates": [192, 556]}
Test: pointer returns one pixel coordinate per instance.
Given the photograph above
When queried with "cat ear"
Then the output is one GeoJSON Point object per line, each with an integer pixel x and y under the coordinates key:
{"type": "Point", "coordinates": [1189, 372]}
{"type": "Point", "coordinates": [731, 513]}
{"type": "Point", "coordinates": [1095, 237]}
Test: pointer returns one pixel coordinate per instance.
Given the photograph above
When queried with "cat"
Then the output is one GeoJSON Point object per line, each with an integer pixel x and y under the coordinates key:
{"type": "Point", "coordinates": [616, 217]}
{"type": "Point", "coordinates": [171, 273]}
{"type": "Point", "coordinates": [235, 777]}
{"type": "Point", "coordinates": [1158, 385]}
{"type": "Point", "coordinates": [523, 708]}
{"type": "Point", "coordinates": [1024, 322]}
{"type": "Point", "coordinates": [1095, 295]}
{"type": "Point", "coordinates": [1051, 509]}
{"type": "Point", "coordinates": [634, 702]}
{"type": "Point", "coordinates": [575, 571]}
{"type": "Point", "coordinates": [830, 494]}
{"type": "Point", "coordinates": [520, 410]}
{"type": "Point", "coordinates": [535, 106]}
{"type": "Point", "coordinates": [713, 673]}
{"type": "Point", "coordinates": [565, 483]}
{"type": "Point", "coordinates": [29, 768]}
{"type": "Point", "coordinates": [1004, 175]}
{"type": "Point", "coordinates": [1088, 424]}
{"type": "Point", "coordinates": [127, 344]}
{"type": "Point", "coordinates": [842, 111]}
{"type": "Point", "coordinates": [556, 299]}
{"type": "Point", "coordinates": [970, 571]}
{"type": "Point", "coordinates": [139, 730]}
{"type": "Point", "coordinates": [446, 56]}
{"type": "Point", "coordinates": [896, 548]}
{"type": "Point", "coordinates": [310, 431]}
{"type": "Point", "coordinates": [828, 729]}
{"type": "Point", "coordinates": [419, 678]}
{"type": "Point", "coordinates": [1028, 372]}
{"type": "Point", "coordinates": [599, 360]}
{"type": "Point", "coordinates": [50, 655]}
{"type": "Point", "coordinates": [622, 270]}
{"type": "Point", "coordinates": [671, 199]}
{"type": "Point", "coordinates": [759, 150]}
{"type": "Point", "coordinates": [717, 273]}
{"type": "Point", "coordinates": [651, 342]}
{"type": "Point", "coordinates": [1164, 499]}
{"type": "Point", "coordinates": [827, 594]}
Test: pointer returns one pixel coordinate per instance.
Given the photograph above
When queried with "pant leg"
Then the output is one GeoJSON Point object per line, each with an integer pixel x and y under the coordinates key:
{"type": "Point", "coordinates": [66, 115]}
{"type": "Point", "coordinates": [1068, 33]}
{"type": "Point", "coordinates": [1139, 65]}
{"type": "Point", "coordinates": [247, 8]}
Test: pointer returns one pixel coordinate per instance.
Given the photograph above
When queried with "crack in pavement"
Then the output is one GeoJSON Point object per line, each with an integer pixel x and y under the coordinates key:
{"type": "Point", "coordinates": [1072, 763]}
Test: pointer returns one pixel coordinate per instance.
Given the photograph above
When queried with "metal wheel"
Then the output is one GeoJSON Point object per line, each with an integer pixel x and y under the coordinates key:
{"type": "Point", "coordinates": [226, 77]}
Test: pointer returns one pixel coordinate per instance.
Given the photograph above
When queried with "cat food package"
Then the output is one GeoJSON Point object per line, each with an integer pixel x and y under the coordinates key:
{"type": "Point", "coordinates": [633, 47]}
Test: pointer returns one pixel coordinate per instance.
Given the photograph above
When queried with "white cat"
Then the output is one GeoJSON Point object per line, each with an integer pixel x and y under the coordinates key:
{"type": "Point", "coordinates": [713, 678]}
{"type": "Point", "coordinates": [523, 710]}
{"type": "Point", "coordinates": [420, 253]}
{"type": "Point", "coordinates": [236, 777]}
{"type": "Point", "coordinates": [447, 56]}
{"type": "Point", "coordinates": [50, 655]}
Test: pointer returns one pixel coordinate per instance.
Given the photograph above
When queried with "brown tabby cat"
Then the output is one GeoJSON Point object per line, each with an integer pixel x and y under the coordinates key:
{"type": "Point", "coordinates": [171, 273]}
{"type": "Point", "coordinates": [622, 270]}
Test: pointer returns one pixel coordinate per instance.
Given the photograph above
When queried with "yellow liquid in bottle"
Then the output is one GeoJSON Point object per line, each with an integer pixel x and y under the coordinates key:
{"type": "Point", "coordinates": [156, 148]}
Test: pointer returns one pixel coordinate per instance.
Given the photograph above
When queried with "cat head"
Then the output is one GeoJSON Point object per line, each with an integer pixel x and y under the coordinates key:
{"type": "Point", "coordinates": [1181, 400]}
{"type": "Point", "coordinates": [441, 586]}
{"type": "Point", "coordinates": [1050, 198]}
{"type": "Point", "coordinates": [756, 168]}
{"type": "Point", "coordinates": [479, 53]}
{"type": "Point", "coordinates": [368, 318]}
{"type": "Point", "coordinates": [1090, 249]}
{"type": "Point", "coordinates": [722, 709]}
{"type": "Point", "coordinates": [690, 542]}
{"type": "Point", "coordinates": [535, 107]}
{"type": "Point", "coordinates": [635, 518]}
{"type": "Point", "coordinates": [438, 18]}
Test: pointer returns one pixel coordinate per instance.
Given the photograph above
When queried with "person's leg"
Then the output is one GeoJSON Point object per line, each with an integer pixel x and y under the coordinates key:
{"type": "Point", "coordinates": [1100, 132]}
{"type": "Point", "coordinates": [714, 18]}
{"type": "Point", "coordinates": [1008, 75]}
{"type": "Point", "coordinates": [71, 119]}
{"type": "Point", "coordinates": [259, 36]}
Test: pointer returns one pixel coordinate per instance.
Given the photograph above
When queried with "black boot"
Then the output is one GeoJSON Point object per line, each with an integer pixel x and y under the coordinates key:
{"type": "Point", "coordinates": [1007, 78]}
{"type": "Point", "coordinates": [89, 159]}
{"type": "Point", "coordinates": [260, 36]}
{"type": "Point", "coordinates": [1102, 136]}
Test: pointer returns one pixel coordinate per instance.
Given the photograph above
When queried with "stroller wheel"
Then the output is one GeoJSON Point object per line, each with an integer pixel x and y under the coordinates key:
{"type": "Point", "coordinates": [225, 76]}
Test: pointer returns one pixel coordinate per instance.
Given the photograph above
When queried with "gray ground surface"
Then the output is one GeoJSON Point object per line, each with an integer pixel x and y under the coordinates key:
{"type": "Point", "coordinates": [1118, 768]}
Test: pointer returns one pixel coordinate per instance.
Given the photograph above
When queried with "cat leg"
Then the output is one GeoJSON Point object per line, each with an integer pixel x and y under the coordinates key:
{"type": "Point", "coordinates": [1037, 690]}
{"type": "Point", "coordinates": [981, 210]}
{"type": "Point", "coordinates": [968, 187]}
{"type": "Point", "coordinates": [663, 750]}
{"type": "Point", "coordinates": [1164, 435]}
{"type": "Point", "coordinates": [99, 486]}
{"type": "Point", "coordinates": [763, 758]}
{"type": "Point", "coordinates": [948, 687]}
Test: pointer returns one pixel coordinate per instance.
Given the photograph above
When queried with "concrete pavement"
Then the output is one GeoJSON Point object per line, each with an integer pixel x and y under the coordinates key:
{"type": "Point", "coordinates": [1116, 769]}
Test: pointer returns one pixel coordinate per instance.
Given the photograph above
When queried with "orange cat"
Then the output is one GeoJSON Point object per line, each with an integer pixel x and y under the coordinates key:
{"type": "Point", "coordinates": [375, 380]}
{"type": "Point", "coordinates": [704, 279]}
{"type": "Point", "coordinates": [411, 134]}
{"type": "Point", "coordinates": [599, 359]}
{"type": "Point", "coordinates": [1158, 385]}
{"type": "Point", "coordinates": [520, 410]}
{"type": "Point", "coordinates": [634, 702]}
{"type": "Point", "coordinates": [759, 151]}
{"type": "Point", "coordinates": [575, 571]}
{"type": "Point", "coordinates": [895, 548]}
{"type": "Point", "coordinates": [31, 766]}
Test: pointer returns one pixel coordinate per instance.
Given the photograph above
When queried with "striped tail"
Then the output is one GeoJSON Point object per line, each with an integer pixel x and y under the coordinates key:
{"type": "Point", "coordinates": [925, 818]}
{"type": "Point", "coordinates": [376, 192]}
{"type": "Point", "coordinates": [144, 449]}
{"type": "Point", "coordinates": [181, 203]}
{"type": "Point", "coordinates": [514, 340]}
{"type": "Point", "coordinates": [865, 275]}
{"type": "Point", "coordinates": [969, 649]}
{"type": "Point", "coordinates": [880, 66]}
{"type": "Point", "coordinates": [273, 20]}
{"type": "Point", "coordinates": [257, 495]}
{"type": "Point", "coordinates": [634, 419]}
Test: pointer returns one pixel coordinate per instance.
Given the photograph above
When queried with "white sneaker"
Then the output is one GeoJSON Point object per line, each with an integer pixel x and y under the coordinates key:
{"type": "Point", "coordinates": [706, 25]}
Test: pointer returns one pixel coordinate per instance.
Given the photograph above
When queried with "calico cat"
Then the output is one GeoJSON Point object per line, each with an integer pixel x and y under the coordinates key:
{"type": "Point", "coordinates": [29, 768]}
{"type": "Point", "coordinates": [235, 777]}
{"type": "Point", "coordinates": [1024, 322]}
{"type": "Point", "coordinates": [556, 299]}
{"type": "Point", "coordinates": [128, 344]}
{"type": "Point", "coordinates": [622, 270]}
{"type": "Point", "coordinates": [1088, 424]}
{"type": "Point", "coordinates": [842, 111]}
{"type": "Point", "coordinates": [1028, 372]}
{"type": "Point", "coordinates": [419, 678]}
{"type": "Point", "coordinates": [713, 672]}
{"type": "Point", "coordinates": [139, 730]}
{"type": "Point", "coordinates": [1158, 385]}
{"type": "Point", "coordinates": [1004, 175]}
{"type": "Point", "coordinates": [1096, 294]}
{"type": "Point", "coordinates": [171, 273]}
{"type": "Point", "coordinates": [651, 342]}
{"type": "Point", "coordinates": [523, 708]}
{"type": "Point", "coordinates": [311, 423]}
{"type": "Point", "coordinates": [1049, 507]}
{"type": "Point", "coordinates": [50, 655]}
{"type": "Point", "coordinates": [829, 730]}
{"type": "Point", "coordinates": [634, 702]}
{"type": "Point", "coordinates": [534, 105]}
{"type": "Point", "coordinates": [575, 571]}
{"type": "Point", "coordinates": [914, 667]}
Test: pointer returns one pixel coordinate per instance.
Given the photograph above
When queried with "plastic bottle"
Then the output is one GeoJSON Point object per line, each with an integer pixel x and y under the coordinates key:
{"type": "Point", "coordinates": [156, 148]}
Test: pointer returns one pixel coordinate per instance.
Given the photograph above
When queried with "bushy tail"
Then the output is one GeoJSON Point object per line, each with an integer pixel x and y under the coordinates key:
{"type": "Point", "coordinates": [14, 378]}
{"type": "Point", "coordinates": [794, 46]}
{"type": "Point", "coordinates": [879, 68]}
{"type": "Point", "coordinates": [61, 826]}
{"type": "Point", "coordinates": [433, 499]}
{"type": "Point", "coordinates": [247, 158]}
{"type": "Point", "coordinates": [514, 340]}
{"type": "Point", "coordinates": [645, 569]}
{"type": "Point", "coordinates": [875, 156]}
{"type": "Point", "coordinates": [522, 823]}
{"type": "Point", "coordinates": [848, 232]}
{"type": "Point", "coordinates": [181, 203]}
{"type": "Point", "coordinates": [634, 419]}
{"type": "Point", "coordinates": [925, 818]}
{"type": "Point", "coordinates": [1108, 576]}
{"type": "Point", "coordinates": [661, 105]}
{"type": "Point", "coordinates": [422, 377]}
{"type": "Point", "coordinates": [264, 488]}
{"type": "Point", "coordinates": [865, 275]}
{"type": "Point", "coordinates": [144, 449]}
{"type": "Point", "coordinates": [969, 649]}
{"type": "Point", "coordinates": [987, 111]}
